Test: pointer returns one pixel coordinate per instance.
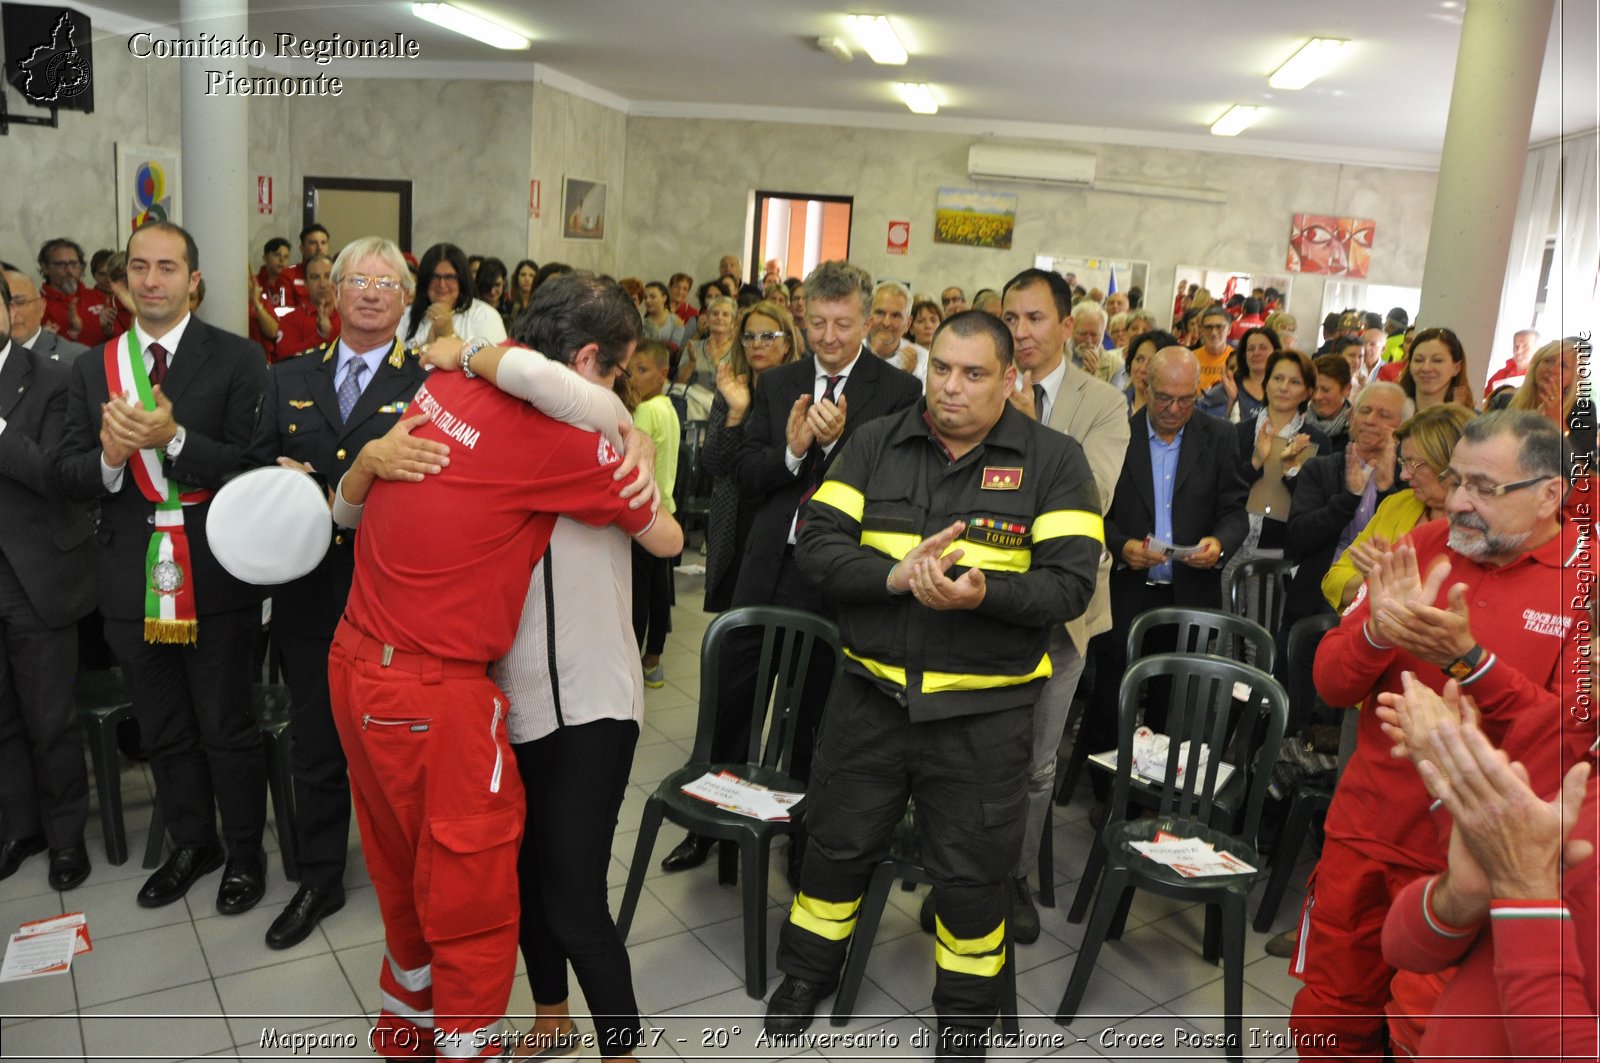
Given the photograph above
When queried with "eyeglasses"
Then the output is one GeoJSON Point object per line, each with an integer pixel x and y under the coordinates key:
{"type": "Point", "coordinates": [1414, 467]}
{"type": "Point", "coordinates": [444, 278]}
{"type": "Point", "coordinates": [360, 282]}
{"type": "Point", "coordinates": [1483, 490]}
{"type": "Point", "coordinates": [1219, 325]}
{"type": "Point", "coordinates": [1182, 402]}
{"type": "Point", "coordinates": [753, 339]}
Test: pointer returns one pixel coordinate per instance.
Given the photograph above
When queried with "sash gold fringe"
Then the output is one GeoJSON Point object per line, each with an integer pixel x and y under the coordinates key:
{"type": "Point", "coordinates": [181, 632]}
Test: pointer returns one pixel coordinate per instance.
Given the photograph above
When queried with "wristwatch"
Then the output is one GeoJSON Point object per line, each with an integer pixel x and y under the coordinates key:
{"type": "Point", "coordinates": [1463, 666]}
{"type": "Point", "coordinates": [175, 444]}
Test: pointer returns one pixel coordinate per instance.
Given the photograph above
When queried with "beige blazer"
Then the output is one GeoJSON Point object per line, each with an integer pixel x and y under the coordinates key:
{"type": "Point", "coordinates": [1096, 415]}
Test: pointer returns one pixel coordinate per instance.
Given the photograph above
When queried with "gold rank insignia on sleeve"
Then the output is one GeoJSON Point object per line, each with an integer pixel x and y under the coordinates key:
{"type": "Point", "coordinates": [1000, 478]}
{"type": "Point", "coordinates": [301, 404]}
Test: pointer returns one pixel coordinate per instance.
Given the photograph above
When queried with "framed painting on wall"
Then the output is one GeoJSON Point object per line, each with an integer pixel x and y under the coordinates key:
{"type": "Point", "coordinates": [583, 209]}
{"type": "Point", "coordinates": [974, 217]}
{"type": "Point", "coordinates": [147, 186]}
{"type": "Point", "coordinates": [1323, 243]}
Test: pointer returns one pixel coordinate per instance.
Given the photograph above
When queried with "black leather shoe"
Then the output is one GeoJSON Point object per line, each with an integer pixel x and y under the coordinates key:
{"type": "Point", "coordinates": [1024, 916]}
{"type": "Point", "coordinates": [173, 878]}
{"type": "Point", "coordinates": [793, 1006]}
{"type": "Point", "coordinates": [244, 880]}
{"type": "Point", "coordinates": [296, 922]}
{"type": "Point", "coordinates": [68, 867]}
{"type": "Point", "coordinates": [13, 853]}
{"type": "Point", "coordinates": [691, 852]}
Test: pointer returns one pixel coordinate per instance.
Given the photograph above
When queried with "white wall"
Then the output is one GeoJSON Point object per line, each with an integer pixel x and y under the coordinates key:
{"type": "Point", "coordinates": [689, 181]}
{"type": "Point", "coordinates": [573, 137]}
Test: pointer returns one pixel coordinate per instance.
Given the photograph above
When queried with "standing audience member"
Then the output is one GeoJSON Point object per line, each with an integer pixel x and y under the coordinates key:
{"type": "Point", "coordinates": [181, 627]}
{"type": "Point", "coordinates": [1337, 493]}
{"type": "Point", "coordinates": [1179, 485]}
{"type": "Point", "coordinates": [318, 412]}
{"type": "Point", "coordinates": [490, 283]}
{"type": "Point", "coordinates": [1427, 610]}
{"type": "Point", "coordinates": [652, 575]}
{"type": "Point", "coordinates": [444, 306]}
{"type": "Point", "coordinates": [1514, 909]}
{"type": "Point", "coordinates": [46, 584]}
{"type": "Point", "coordinates": [908, 609]}
{"type": "Point", "coordinates": [1093, 413]}
{"type": "Point", "coordinates": [954, 300]}
{"type": "Point", "coordinates": [77, 311]}
{"type": "Point", "coordinates": [1423, 445]}
{"type": "Point", "coordinates": [1140, 348]}
{"type": "Point", "coordinates": [27, 322]}
{"type": "Point", "coordinates": [316, 321]}
{"type": "Point", "coordinates": [658, 321]}
{"type": "Point", "coordinates": [679, 285]}
{"type": "Point", "coordinates": [1330, 401]}
{"type": "Point", "coordinates": [886, 329]}
{"type": "Point", "coordinates": [1274, 445]}
{"type": "Point", "coordinates": [1436, 370]}
{"type": "Point", "coordinates": [800, 415]}
{"type": "Point", "coordinates": [1088, 330]}
{"type": "Point", "coordinates": [925, 318]}
{"type": "Point", "coordinates": [313, 244]}
{"type": "Point", "coordinates": [519, 291]}
{"type": "Point", "coordinates": [441, 818]}
{"type": "Point", "coordinates": [698, 358]}
{"type": "Point", "coordinates": [766, 338]}
{"type": "Point", "coordinates": [1212, 354]}
{"type": "Point", "coordinates": [1523, 344]}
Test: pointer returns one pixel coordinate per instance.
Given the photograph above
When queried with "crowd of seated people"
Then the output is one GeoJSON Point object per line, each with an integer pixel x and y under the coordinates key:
{"type": "Point", "coordinates": [1369, 463]}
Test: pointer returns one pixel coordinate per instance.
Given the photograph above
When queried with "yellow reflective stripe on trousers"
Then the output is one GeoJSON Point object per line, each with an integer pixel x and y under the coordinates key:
{"type": "Point", "coordinates": [1061, 522]}
{"type": "Point", "coordinates": [832, 920]}
{"type": "Point", "coordinates": [975, 956]}
{"type": "Point", "coordinates": [993, 558]}
{"type": "Point", "coordinates": [939, 682]}
{"type": "Point", "coordinates": [878, 668]}
{"type": "Point", "coordinates": [843, 497]}
{"type": "Point", "coordinates": [891, 544]}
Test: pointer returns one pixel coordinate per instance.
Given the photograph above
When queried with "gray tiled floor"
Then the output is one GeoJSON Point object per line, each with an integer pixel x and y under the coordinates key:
{"type": "Point", "coordinates": [183, 982]}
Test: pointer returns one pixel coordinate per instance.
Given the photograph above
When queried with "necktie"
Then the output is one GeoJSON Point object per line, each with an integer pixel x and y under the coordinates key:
{"type": "Point", "coordinates": [158, 364]}
{"type": "Point", "coordinates": [350, 390]}
{"type": "Point", "coordinates": [1038, 401]}
{"type": "Point", "coordinates": [816, 465]}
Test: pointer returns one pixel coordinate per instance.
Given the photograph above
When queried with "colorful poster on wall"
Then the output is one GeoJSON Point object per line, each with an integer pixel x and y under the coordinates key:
{"type": "Point", "coordinates": [975, 218]}
{"type": "Point", "coordinates": [583, 209]}
{"type": "Point", "coordinates": [1323, 243]}
{"type": "Point", "coordinates": [147, 185]}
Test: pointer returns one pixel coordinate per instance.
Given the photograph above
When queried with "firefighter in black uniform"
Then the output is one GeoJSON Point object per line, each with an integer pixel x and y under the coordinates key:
{"type": "Point", "coordinates": [320, 409]}
{"type": "Point", "coordinates": [949, 539]}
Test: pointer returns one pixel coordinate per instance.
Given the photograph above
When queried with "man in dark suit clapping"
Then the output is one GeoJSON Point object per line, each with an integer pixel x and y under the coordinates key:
{"type": "Point", "coordinates": [157, 419]}
{"type": "Point", "coordinates": [1181, 485]}
{"type": "Point", "coordinates": [46, 584]}
{"type": "Point", "coordinates": [800, 414]}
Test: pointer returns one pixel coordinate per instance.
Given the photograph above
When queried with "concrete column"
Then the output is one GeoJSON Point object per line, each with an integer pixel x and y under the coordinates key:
{"type": "Point", "coordinates": [1480, 171]}
{"type": "Point", "coordinates": [216, 148]}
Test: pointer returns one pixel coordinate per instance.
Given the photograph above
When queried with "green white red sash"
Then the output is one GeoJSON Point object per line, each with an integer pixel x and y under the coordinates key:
{"type": "Point", "coordinates": [169, 611]}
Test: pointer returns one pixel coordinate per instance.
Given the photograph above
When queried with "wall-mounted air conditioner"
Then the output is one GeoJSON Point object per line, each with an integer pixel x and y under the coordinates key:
{"type": "Point", "coordinates": [1005, 162]}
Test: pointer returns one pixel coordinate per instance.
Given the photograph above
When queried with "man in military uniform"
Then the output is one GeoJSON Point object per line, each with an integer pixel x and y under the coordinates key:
{"type": "Point", "coordinates": [950, 539]}
{"type": "Point", "coordinates": [319, 410]}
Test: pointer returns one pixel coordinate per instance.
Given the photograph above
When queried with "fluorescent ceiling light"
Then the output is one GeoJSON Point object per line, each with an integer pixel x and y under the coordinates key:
{"type": "Point", "coordinates": [918, 96]}
{"type": "Point", "coordinates": [1235, 120]}
{"type": "Point", "coordinates": [877, 39]}
{"type": "Point", "coordinates": [1314, 59]}
{"type": "Point", "coordinates": [466, 23]}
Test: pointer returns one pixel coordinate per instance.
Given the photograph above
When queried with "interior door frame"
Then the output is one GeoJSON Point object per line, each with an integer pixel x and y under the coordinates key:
{"type": "Point", "coordinates": [358, 184]}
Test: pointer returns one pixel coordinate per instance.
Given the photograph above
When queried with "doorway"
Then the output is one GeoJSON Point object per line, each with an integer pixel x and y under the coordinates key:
{"type": "Point", "coordinates": [353, 207]}
{"type": "Point", "coordinates": [797, 230]}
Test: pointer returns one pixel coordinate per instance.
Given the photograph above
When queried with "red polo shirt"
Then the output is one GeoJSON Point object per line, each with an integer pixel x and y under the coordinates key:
{"type": "Point", "coordinates": [442, 566]}
{"type": "Point", "coordinates": [58, 312]}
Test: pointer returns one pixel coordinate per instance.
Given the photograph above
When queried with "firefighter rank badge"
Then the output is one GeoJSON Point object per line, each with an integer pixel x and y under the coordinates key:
{"type": "Point", "coordinates": [1000, 478]}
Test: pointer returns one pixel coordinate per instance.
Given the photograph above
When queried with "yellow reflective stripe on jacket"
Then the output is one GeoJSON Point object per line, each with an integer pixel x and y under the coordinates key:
{"type": "Point", "coordinates": [879, 669]}
{"type": "Point", "coordinates": [938, 682]}
{"type": "Point", "coordinates": [892, 544]}
{"type": "Point", "coordinates": [832, 920]}
{"type": "Point", "coordinates": [975, 956]}
{"type": "Point", "coordinates": [1062, 522]}
{"type": "Point", "coordinates": [993, 558]}
{"type": "Point", "coordinates": [843, 497]}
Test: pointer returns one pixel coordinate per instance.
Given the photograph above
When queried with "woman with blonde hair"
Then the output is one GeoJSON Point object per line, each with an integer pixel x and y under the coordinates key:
{"type": "Point", "coordinates": [1425, 442]}
{"type": "Point", "coordinates": [1551, 385]}
{"type": "Point", "coordinates": [699, 358]}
